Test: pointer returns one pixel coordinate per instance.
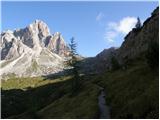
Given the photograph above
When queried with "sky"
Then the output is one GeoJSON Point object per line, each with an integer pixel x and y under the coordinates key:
{"type": "Point", "coordinates": [94, 25]}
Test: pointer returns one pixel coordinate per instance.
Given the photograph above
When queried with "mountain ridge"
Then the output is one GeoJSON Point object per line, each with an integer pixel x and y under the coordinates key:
{"type": "Point", "coordinates": [135, 44]}
{"type": "Point", "coordinates": [32, 51]}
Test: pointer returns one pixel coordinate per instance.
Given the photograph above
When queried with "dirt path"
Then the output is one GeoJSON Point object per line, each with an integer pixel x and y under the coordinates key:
{"type": "Point", "coordinates": [104, 109]}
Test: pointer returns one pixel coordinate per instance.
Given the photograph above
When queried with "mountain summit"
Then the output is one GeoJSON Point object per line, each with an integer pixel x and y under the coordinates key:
{"type": "Point", "coordinates": [32, 51]}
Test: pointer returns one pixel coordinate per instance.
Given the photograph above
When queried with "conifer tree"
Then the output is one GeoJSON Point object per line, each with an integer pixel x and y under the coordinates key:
{"type": "Point", "coordinates": [73, 63]}
{"type": "Point", "coordinates": [138, 24]}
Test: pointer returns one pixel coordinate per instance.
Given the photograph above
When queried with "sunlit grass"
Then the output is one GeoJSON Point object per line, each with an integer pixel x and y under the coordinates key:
{"type": "Point", "coordinates": [33, 82]}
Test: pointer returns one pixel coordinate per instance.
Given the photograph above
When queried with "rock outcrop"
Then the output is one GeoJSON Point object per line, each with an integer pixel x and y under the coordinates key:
{"type": "Point", "coordinates": [100, 62]}
{"type": "Point", "coordinates": [57, 44]}
{"type": "Point", "coordinates": [32, 51]}
{"type": "Point", "coordinates": [136, 41]}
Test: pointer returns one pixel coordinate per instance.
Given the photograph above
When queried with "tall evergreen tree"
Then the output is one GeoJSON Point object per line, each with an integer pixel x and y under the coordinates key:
{"type": "Point", "coordinates": [73, 63]}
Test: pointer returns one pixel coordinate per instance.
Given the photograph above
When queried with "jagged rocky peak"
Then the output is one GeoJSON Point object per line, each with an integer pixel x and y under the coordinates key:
{"type": "Point", "coordinates": [35, 36]}
{"type": "Point", "coordinates": [40, 28]}
{"type": "Point", "coordinates": [54, 42]}
{"type": "Point", "coordinates": [57, 34]}
{"type": "Point", "coordinates": [32, 50]}
{"type": "Point", "coordinates": [6, 36]}
{"type": "Point", "coordinates": [57, 44]}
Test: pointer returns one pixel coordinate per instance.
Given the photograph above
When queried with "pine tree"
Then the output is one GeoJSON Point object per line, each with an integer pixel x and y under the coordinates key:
{"type": "Point", "coordinates": [73, 63]}
{"type": "Point", "coordinates": [138, 24]}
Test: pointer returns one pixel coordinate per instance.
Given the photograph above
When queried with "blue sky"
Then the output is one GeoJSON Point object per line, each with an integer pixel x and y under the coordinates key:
{"type": "Point", "coordinates": [95, 25]}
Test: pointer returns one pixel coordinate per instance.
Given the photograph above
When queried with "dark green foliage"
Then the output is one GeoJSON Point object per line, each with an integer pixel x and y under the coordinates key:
{"type": "Point", "coordinates": [73, 46]}
{"type": "Point", "coordinates": [114, 63]}
{"type": "Point", "coordinates": [138, 24]}
{"type": "Point", "coordinates": [73, 62]}
{"type": "Point", "coordinates": [152, 55]}
{"type": "Point", "coordinates": [133, 92]}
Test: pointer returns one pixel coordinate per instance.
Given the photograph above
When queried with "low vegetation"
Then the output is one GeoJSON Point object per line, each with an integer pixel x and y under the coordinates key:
{"type": "Point", "coordinates": [48, 98]}
{"type": "Point", "coordinates": [132, 93]}
{"type": "Point", "coordinates": [82, 105]}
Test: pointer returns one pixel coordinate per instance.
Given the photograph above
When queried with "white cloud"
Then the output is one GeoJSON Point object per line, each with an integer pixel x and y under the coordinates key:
{"type": "Point", "coordinates": [99, 16]}
{"type": "Point", "coordinates": [110, 35]}
{"type": "Point", "coordinates": [124, 26]}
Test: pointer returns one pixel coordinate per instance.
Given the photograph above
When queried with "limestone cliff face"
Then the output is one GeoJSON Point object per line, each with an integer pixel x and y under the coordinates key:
{"type": "Point", "coordinates": [35, 36]}
{"type": "Point", "coordinates": [57, 44]}
{"type": "Point", "coordinates": [32, 51]}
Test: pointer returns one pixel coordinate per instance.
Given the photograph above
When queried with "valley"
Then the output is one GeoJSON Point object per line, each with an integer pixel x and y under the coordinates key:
{"type": "Point", "coordinates": [130, 93]}
{"type": "Point", "coordinates": [44, 78]}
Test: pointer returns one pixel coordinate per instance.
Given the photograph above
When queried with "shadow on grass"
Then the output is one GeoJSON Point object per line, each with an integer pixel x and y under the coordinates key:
{"type": "Point", "coordinates": [30, 100]}
{"type": "Point", "coordinates": [53, 91]}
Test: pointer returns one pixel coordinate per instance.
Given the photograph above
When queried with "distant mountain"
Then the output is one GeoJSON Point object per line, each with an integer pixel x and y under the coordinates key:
{"type": "Point", "coordinates": [99, 63]}
{"type": "Point", "coordinates": [32, 51]}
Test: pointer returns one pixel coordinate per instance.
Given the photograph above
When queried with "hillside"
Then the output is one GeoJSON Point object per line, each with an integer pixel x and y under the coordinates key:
{"type": "Point", "coordinates": [130, 82]}
{"type": "Point", "coordinates": [135, 44]}
{"type": "Point", "coordinates": [48, 98]}
{"type": "Point", "coordinates": [130, 93]}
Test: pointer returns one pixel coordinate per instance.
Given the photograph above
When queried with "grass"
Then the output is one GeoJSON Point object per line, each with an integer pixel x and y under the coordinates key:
{"type": "Point", "coordinates": [24, 83]}
{"type": "Point", "coordinates": [20, 83]}
{"type": "Point", "coordinates": [50, 98]}
{"type": "Point", "coordinates": [83, 105]}
{"type": "Point", "coordinates": [132, 93]}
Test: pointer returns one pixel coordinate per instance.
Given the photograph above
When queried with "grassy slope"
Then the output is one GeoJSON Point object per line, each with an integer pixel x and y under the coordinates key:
{"type": "Point", "coordinates": [132, 93]}
{"type": "Point", "coordinates": [50, 98]}
{"type": "Point", "coordinates": [83, 105]}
